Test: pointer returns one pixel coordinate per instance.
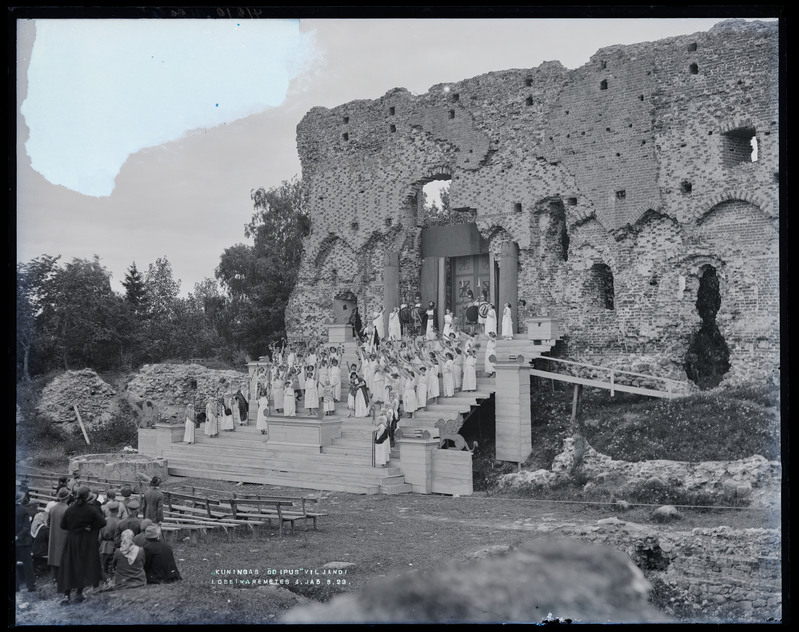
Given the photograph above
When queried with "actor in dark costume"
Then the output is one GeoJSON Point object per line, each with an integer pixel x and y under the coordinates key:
{"type": "Point", "coordinates": [244, 408]}
{"type": "Point", "coordinates": [159, 561]}
{"type": "Point", "coordinates": [80, 562]}
{"type": "Point", "coordinates": [355, 321]}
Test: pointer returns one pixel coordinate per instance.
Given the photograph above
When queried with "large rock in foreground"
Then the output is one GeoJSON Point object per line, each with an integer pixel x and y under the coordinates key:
{"type": "Point", "coordinates": [95, 399]}
{"type": "Point", "coordinates": [541, 580]}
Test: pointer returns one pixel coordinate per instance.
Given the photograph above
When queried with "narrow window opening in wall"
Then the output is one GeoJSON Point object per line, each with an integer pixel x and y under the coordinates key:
{"type": "Point", "coordinates": [568, 135]}
{"type": "Point", "coordinates": [392, 111]}
{"type": "Point", "coordinates": [388, 221]}
{"type": "Point", "coordinates": [630, 125]}
{"type": "Point", "coordinates": [686, 187]}
{"type": "Point", "coordinates": [345, 136]}
{"type": "Point", "coordinates": [766, 133]}
{"type": "Point", "coordinates": [708, 356]}
{"type": "Point", "coordinates": [456, 97]}
{"type": "Point", "coordinates": [739, 82]}
{"type": "Point", "coordinates": [567, 111]}
{"type": "Point", "coordinates": [607, 129]}
{"type": "Point", "coordinates": [582, 133]}
{"type": "Point", "coordinates": [620, 195]}
{"type": "Point", "coordinates": [603, 64]}
{"type": "Point", "coordinates": [528, 81]}
{"type": "Point", "coordinates": [517, 207]}
{"type": "Point", "coordinates": [691, 47]}
{"type": "Point", "coordinates": [452, 114]}
{"type": "Point", "coordinates": [346, 119]}
{"type": "Point", "coordinates": [643, 142]}
{"type": "Point", "coordinates": [739, 146]}
{"type": "Point", "coordinates": [710, 133]}
{"type": "Point", "coordinates": [603, 85]}
{"type": "Point", "coordinates": [529, 100]}
{"type": "Point", "coordinates": [601, 285]}
{"type": "Point", "coordinates": [393, 128]}
{"type": "Point", "coordinates": [354, 226]}
{"type": "Point", "coordinates": [618, 154]}
{"type": "Point", "coordinates": [693, 69]}
{"type": "Point", "coordinates": [640, 97]}
{"type": "Point", "coordinates": [572, 201]}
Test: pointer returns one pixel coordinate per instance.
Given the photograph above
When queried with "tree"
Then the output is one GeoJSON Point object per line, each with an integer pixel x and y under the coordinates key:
{"type": "Point", "coordinates": [80, 315]}
{"type": "Point", "coordinates": [31, 281]}
{"type": "Point", "coordinates": [443, 215]}
{"type": "Point", "coordinates": [259, 278]}
{"type": "Point", "coordinates": [135, 289]}
{"type": "Point", "coordinates": [161, 288]}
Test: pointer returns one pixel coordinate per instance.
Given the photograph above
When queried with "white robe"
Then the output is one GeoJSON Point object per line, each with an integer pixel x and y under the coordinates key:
{"type": "Point", "coordinates": [211, 422]}
{"type": "Point", "coordinates": [469, 373]}
{"type": "Point", "coordinates": [382, 450]}
{"type": "Point", "coordinates": [490, 350]}
{"type": "Point", "coordinates": [263, 410]}
{"type": "Point", "coordinates": [491, 321]}
{"type": "Point", "coordinates": [188, 433]}
{"type": "Point", "coordinates": [507, 323]}
{"type": "Point", "coordinates": [394, 326]}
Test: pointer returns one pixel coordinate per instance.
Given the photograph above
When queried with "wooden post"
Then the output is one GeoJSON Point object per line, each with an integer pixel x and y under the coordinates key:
{"type": "Point", "coordinates": [576, 401]}
{"type": "Point", "coordinates": [80, 421]}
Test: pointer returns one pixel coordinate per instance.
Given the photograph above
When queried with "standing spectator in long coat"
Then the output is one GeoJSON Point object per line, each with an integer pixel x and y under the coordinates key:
{"type": "Point", "coordinates": [80, 562]}
{"type": "Point", "coordinates": [152, 502]}
{"type": "Point", "coordinates": [58, 536]}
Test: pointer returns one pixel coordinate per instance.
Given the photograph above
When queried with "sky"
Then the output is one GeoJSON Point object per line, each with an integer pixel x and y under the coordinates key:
{"type": "Point", "coordinates": [142, 138]}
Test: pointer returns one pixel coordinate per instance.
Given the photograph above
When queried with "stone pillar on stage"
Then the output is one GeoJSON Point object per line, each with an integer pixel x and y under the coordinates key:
{"type": "Point", "coordinates": [513, 438]}
{"type": "Point", "coordinates": [508, 283]}
{"type": "Point", "coordinates": [391, 297]}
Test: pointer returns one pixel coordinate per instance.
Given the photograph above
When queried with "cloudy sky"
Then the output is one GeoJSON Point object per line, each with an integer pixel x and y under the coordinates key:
{"type": "Point", "coordinates": [140, 139]}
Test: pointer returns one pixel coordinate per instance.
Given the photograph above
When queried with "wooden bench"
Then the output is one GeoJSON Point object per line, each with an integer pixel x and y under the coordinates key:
{"type": "Point", "coordinates": [180, 520]}
{"type": "Point", "coordinates": [265, 508]}
{"type": "Point", "coordinates": [300, 504]}
{"type": "Point", "coordinates": [208, 508]}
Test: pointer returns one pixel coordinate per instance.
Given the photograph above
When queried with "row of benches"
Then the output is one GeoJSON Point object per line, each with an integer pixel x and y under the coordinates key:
{"type": "Point", "coordinates": [251, 510]}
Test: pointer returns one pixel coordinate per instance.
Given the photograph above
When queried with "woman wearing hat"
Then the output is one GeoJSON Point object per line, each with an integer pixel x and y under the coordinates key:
{"type": "Point", "coordinates": [128, 563]}
{"type": "Point", "coordinates": [24, 542]}
{"type": "Point", "coordinates": [80, 561]}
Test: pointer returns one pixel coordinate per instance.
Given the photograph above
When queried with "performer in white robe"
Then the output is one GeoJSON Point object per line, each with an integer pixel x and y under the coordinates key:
{"type": "Point", "coordinates": [383, 449]}
{"type": "Point", "coordinates": [491, 347]}
{"type": "Point", "coordinates": [278, 388]}
{"type": "Point", "coordinates": [491, 320]}
{"type": "Point", "coordinates": [263, 411]}
{"type": "Point", "coordinates": [380, 328]}
{"type": "Point", "coordinates": [361, 400]}
{"type": "Point", "coordinates": [409, 402]}
{"type": "Point", "coordinates": [311, 392]}
{"type": "Point", "coordinates": [289, 402]}
{"type": "Point", "coordinates": [227, 419]}
{"type": "Point", "coordinates": [447, 381]}
{"type": "Point", "coordinates": [507, 322]}
{"type": "Point", "coordinates": [447, 332]}
{"type": "Point", "coordinates": [470, 372]}
{"type": "Point", "coordinates": [211, 420]}
{"type": "Point", "coordinates": [334, 374]}
{"type": "Point", "coordinates": [394, 325]}
{"type": "Point", "coordinates": [457, 370]}
{"type": "Point", "coordinates": [421, 389]}
{"type": "Point", "coordinates": [188, 433]}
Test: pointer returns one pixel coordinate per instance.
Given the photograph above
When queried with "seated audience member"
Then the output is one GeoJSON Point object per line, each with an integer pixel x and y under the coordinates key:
{"type": "Point", "coordinates": [128, 563]}
{"type": "Point", "coordinates": [159, 561]}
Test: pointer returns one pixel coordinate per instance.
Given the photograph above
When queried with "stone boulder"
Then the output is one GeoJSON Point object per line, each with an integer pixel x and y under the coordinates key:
{"type": "Point", "coordinates": [170, 387]}
{"type": "Point", "coordinates": [754, 478]}
{"type": "Point", "coordinates": [540, 580]}
{"type": "Point", "coordinates": [95, 399]}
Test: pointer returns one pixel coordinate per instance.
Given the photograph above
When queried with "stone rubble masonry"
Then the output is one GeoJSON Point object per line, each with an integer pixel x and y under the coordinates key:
{"type": "Point", "coordinates": [641, 157]}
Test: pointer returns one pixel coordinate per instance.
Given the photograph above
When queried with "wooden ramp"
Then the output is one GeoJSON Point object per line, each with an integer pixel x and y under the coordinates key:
{"type": "Point", "coordinates": [612, 379]}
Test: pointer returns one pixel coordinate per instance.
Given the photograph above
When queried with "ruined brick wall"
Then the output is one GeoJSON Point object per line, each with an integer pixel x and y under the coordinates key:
{"type": "Point", "coordinates": [632, 172]}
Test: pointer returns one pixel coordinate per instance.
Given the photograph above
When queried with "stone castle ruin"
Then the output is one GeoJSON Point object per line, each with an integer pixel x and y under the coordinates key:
{"type": "Point", "coordinates": [634, 198]}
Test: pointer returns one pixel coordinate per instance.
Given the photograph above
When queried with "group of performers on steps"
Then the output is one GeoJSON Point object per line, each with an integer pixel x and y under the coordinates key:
{"type": "Point", "coordinates": [395, 375]}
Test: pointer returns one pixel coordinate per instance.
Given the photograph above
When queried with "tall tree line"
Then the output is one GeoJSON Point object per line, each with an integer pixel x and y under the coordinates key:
{"type": "Point", "coordinates": [69, 317]}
